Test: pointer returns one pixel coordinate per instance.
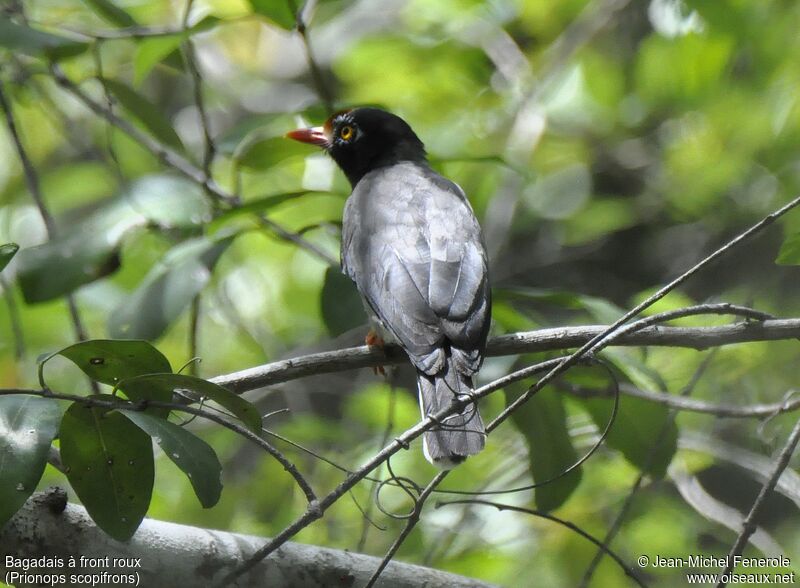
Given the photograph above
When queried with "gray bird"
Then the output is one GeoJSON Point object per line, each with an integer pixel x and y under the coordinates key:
{"type": "Point", "coordinates": [414, 249]}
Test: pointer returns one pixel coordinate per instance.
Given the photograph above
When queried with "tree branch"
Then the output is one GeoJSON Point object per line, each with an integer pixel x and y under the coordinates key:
{"type": "Point", "coordinates": [180, 555]}
{"type": "Point", "coordinates": [551, 339]}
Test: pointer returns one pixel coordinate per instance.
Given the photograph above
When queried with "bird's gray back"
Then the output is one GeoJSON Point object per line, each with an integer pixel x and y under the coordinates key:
{"type": "Point", "coordinates": [413, 246]}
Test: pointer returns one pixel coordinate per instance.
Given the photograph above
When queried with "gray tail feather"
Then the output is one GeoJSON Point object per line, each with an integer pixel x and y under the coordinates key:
{"type": "Point", "coordinates": [459, 435]}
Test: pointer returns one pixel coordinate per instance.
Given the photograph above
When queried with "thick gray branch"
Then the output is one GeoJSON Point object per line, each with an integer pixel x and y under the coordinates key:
{"type": "Point", "coordinates": [178, 555]}
{"type": "Point", "coordinates": [555, 339]}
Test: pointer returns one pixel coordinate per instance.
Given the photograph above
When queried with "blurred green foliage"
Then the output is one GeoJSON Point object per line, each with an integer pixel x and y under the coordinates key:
{"type": "Point", "coordinates": [600, 164]}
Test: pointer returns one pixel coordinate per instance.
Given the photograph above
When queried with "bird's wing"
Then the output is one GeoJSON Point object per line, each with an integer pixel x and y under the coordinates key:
{"type": "Point", "coordinates": [413, 247]}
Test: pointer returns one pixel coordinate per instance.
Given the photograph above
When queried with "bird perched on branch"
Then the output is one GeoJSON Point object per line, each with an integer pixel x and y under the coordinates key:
{"type": "Point", "coordinates": [414, 249]}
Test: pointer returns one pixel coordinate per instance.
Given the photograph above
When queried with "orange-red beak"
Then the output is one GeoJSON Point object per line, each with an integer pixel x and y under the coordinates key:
{"type": "Point", "coordinates": [313, 136]}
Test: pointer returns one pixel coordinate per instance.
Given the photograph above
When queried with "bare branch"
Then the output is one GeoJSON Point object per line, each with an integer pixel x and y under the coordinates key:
{"type": "Point", "coordinates": [552, 339]}
{"type": "Point", "coordinates": [749, 526]}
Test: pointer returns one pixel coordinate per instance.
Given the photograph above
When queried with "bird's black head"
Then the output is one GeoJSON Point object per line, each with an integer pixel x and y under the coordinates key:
{"type": "Point", "coordinates": [364, 139]}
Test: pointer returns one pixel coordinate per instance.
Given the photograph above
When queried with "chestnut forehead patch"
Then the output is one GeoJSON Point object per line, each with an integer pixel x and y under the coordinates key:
{"type": "Point", "coordinates": [337, 117]}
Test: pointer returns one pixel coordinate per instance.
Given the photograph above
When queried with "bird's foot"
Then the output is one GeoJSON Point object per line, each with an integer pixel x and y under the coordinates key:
{"type": "Point", "coordinates": [373, 339]}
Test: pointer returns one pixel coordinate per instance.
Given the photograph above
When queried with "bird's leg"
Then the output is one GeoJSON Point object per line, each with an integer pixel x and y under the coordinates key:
{"type": "Point", "coordinates": [373, 339]}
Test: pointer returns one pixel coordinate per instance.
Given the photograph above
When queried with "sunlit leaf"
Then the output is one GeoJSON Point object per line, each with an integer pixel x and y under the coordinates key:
{"type": "Point", "coordinates": [109, 463]}
{"type": "Point", "coordinates": [190, 453]}
{"type": "Point", "coordinates": [36, 43]}
{"type": "Point", "coordinates": [150, 52]}
{"type": "Point", "coordinates": [88, 250]}
{"type": "Point", "coordinates": [342, 308]}
{"type": "Point", "coordinates": [7, 252]}
{"type": "Point", "coordinates": [163, 386]}
{"type": "Point", "coordinates": [110, 361]}
{"type": "Point", "coordinates": [169, 201]}
{"type": "Point", "coordinates": [112, 13]}
{"type": "Point", "coordinates": [167, 289]}
{"type": "Point", "coordinates": [147, 113]}
{"type": "Point", "coordinates": [28, 425]}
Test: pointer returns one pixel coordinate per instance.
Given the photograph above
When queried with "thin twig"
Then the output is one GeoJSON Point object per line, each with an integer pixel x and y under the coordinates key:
{"type": "Point", "coordinates": [387, 431]}
{"type": "Point", "coordinates": [749, 524]}
{"type": "Point", "coordinates": [194, 328]}
{"type": "Point", "coordinates": [209, 148]}
{"type": "Point", "coordinates": [324, 92]}
{"type": "Point", "coordinates": [121, 404]}
{"type": "Point", "coordinates": [109, 129]}
{"type": "Point", "coordinates": [754, 411]}
{"type": "Point", "coordinates": [411, 522]}
{"type": "Point", "coordinates": [629, 571]}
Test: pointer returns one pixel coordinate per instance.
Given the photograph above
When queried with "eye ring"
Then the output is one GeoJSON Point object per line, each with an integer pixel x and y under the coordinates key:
{"type": "Point", "coordinates": [346, 133]}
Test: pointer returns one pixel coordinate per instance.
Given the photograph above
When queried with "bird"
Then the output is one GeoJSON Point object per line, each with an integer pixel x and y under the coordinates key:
{"type": "Point", "coordinates": [414, 249]}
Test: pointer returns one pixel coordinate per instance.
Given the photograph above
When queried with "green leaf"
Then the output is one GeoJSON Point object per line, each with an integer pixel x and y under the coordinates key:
{"type": "Point", "coordinates": [112, 13]}
{"type": "Point", "coordinates": [543, 422]}
{"type": "Point", "coordinates": [276, 11]}
{"type": "Point", "coordinates": [599, 308]}
{"type": "Point", "coordinates": [264, 153]}
{"type": "Point", "coordinates": [147, 113]}
{"type": "Point", "coordinates": [28, 425]}
{"type": "Point", "coordinates": [163, 386]}
{"type": "Point", "coordinates": [37, 43]}
{"type": "Point", "coordinates": [150, 52]}
{"type": "Point", "coordinates": [7, 252]}
{"type": "Point", "coordinates": [109, 463]}
{"type": "Point", "coordinates": [790, 251]}
{"type": "Point", "coordinates": [637, 371]}
{"type": "Point", "coordinates": [191, 454]}
{"type": "Point", "coordinates": [636, 430]}
{"type": "Point", "coordinates": [89, 249]}
{"type": "Point", "coordinates": [110, 361]}
{"type": "Point", "coordinates": [169, 201]}
{"type": "Point", "coordinates": [342, 308]}
{"type": "Point", "coordinates": [167, 289]}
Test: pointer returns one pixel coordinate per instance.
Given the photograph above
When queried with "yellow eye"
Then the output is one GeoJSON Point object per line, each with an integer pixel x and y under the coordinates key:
{"type": "Point", "coordinates": [346, 133]}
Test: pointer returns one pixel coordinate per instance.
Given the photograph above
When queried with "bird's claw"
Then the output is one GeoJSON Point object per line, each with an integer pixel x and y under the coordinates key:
{"type": "Point", "coordinates": [373, 339]}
